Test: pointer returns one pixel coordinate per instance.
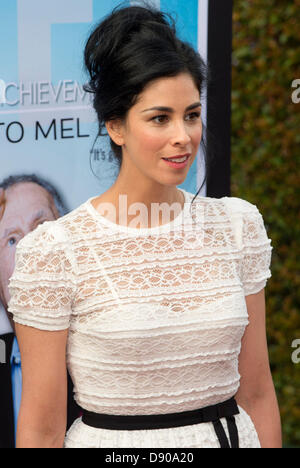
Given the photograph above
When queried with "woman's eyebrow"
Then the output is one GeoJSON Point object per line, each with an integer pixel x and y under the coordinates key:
{"type": "Point", "coordinates": [169, 109]}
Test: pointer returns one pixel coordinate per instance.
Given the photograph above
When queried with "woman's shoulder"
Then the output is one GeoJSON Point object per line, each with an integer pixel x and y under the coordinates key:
{"type": "Point", "coordinates": [240, 205]}
{"type": "Point", "coordinates": [234, 205]}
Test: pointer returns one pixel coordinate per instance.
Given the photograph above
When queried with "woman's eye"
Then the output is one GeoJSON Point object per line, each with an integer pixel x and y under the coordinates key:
{"type": "Point", "coordinates": [195, 116]}
{"type": "Point", "coordinates": [158, 117]}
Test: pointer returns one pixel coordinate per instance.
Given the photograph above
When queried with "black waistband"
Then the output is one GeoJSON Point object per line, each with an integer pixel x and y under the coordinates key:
{"type": "Point", "coordinates": [214, 413]}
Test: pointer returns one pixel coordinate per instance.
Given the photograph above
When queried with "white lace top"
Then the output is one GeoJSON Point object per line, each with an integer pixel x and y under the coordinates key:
{"type": "Point", "coordinates": [155, 315]}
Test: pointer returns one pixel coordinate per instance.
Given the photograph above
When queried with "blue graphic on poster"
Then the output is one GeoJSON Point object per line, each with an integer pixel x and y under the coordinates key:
{"type": "Point", "coordinates": [48, 125]}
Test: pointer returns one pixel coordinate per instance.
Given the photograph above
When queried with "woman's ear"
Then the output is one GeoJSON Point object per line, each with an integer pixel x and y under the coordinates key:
{"type": "Point", "coordinates": [115, 130]}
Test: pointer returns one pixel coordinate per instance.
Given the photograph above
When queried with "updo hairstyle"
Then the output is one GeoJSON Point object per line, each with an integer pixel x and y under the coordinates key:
{"type": "Point", "coordinates": [127, 50]}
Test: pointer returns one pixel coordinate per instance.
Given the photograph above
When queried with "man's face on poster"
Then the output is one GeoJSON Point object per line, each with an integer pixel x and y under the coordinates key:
{"type": "Point", "coordinates": [26, 206]}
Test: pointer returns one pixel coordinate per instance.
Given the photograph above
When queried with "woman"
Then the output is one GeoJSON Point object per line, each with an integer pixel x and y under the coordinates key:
{"type": "Point", "coordinates": [160, 317]}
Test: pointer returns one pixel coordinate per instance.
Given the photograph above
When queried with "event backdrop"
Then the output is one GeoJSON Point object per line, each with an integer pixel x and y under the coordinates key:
{"type": "Point", "coordinates": [47, 124]}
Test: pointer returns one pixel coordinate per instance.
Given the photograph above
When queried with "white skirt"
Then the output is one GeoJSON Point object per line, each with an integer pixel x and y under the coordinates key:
{"type": "Point", "coordinates": [194, 436]}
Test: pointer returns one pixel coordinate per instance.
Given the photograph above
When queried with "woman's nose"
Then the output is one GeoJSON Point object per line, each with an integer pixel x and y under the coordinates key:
{"type": "Point", "coordinates": [180, 134]}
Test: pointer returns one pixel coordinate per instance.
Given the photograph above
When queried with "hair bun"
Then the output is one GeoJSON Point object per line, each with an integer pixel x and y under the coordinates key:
{"type": "Point", "coordinates": [130, 48]}
{"type": "Point", "coordinates": [117, 29]}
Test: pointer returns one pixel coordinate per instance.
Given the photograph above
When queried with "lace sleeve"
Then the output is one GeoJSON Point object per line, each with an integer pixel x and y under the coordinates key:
{"type": "Point", "coordinates": [252, 241]}
{"type": "Point", "coordinates": [42, 285]}
{"type": "Point", "coordinates": [257, 251]}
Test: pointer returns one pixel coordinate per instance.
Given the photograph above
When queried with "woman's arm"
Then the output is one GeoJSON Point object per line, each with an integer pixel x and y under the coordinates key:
{"type": "Point", "coordinates": [256, 394]}
{"type": "Point", "coordinates": [43, 412]}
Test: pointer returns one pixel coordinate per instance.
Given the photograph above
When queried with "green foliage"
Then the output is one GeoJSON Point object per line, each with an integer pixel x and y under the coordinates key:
{"type": "Point", "coordinates": [265, 171]}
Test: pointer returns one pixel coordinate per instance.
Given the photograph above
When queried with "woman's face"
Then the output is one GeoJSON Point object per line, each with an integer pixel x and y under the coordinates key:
{"type": "Point", "coordinates": [148, 136]}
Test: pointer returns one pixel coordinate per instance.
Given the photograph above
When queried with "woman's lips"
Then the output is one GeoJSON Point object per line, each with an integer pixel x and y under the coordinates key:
{"type": "Point", "coordinates": [176, 164]}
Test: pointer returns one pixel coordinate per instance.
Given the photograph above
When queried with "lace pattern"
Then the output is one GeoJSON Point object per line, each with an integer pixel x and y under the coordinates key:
{"type": "Point", "coordinates": [155, 317]}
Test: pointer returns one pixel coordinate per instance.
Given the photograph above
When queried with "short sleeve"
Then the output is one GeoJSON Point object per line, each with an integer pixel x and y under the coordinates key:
{"type": "Point", "coordinates": [255, 245]}
{"type": "Point", "coordinates": [42, 285]}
